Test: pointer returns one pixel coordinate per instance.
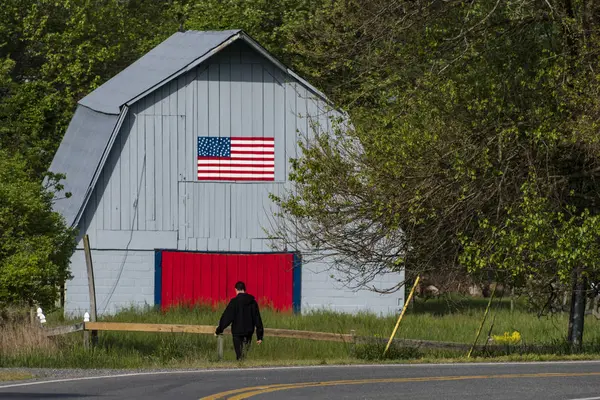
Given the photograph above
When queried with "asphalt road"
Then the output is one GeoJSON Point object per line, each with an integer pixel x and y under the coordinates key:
{"type": "Point", "coordinates": [544, 381]}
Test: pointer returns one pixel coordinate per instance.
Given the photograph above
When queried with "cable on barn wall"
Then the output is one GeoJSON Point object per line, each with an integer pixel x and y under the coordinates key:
{"type": "Point", "coordinates": [135, 213]}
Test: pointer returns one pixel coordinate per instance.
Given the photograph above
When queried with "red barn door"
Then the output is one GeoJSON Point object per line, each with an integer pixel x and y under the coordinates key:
{"type": "Point", "coordinates": [192, 278]}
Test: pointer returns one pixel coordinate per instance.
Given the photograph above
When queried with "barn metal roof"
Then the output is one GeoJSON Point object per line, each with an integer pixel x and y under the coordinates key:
{"type": "Point", "coordinates": [97, 120]}
{"type": "Point", "coordinates": [156, 66]}
{"type": "Point", "coordinates": [80, 150]}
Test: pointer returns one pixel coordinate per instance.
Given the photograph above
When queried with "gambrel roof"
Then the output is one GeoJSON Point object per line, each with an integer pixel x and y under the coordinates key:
{"type": "Point", "coordinates": [98, 117]}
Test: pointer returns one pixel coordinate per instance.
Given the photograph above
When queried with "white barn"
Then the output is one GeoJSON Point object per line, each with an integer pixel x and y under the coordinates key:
{"type": "Point", "coordinates": [170, 164]}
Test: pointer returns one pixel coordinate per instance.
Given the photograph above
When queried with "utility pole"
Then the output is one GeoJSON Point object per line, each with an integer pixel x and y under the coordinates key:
{"type": "Point", "coordinates": [91, 285]}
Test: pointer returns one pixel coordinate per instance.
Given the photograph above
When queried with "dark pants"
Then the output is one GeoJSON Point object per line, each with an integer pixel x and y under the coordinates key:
{"type": "Point", "coordinates": [241, 344]}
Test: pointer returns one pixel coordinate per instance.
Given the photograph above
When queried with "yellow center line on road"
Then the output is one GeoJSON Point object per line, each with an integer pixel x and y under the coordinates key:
{"type": "Point", "coordinates": [225, 395]}
{"type": "Point", "coordinates": [246, 393]}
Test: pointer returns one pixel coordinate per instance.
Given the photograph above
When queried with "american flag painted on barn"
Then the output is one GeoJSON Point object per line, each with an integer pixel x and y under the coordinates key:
{"type": "Point", "coordinates": [236, 158]}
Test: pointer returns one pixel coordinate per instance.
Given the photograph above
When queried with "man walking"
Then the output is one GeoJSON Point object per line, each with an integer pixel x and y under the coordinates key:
{"type": "Point", "coordinates": [243, 314]}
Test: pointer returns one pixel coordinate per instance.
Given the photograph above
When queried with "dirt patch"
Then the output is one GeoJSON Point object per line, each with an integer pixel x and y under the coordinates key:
{"type": "Point", "coordinates": [14, 376]}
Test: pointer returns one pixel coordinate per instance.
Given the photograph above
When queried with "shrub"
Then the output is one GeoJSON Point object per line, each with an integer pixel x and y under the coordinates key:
{"type": "Point", "coordinates": [374, 351]}
{"type": "Point", "coordinates": [18, 336]}
{"type": "Point", "coordinates": [35, 243]}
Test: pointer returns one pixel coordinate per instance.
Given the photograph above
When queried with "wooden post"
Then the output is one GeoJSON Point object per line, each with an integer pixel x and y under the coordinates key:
{"type": "Point", "coordinates": [402, 314]}
{"type": "Point", "coordinates": [91, 285]}
{"type": "Point", "coordinates": [220, 347]}
{"type": "Point", "coordinates": [352, 341]}
{"type": "Point", "coordinates": [487, 310]}
{"type": "Point", "coordinates": [86, 333]}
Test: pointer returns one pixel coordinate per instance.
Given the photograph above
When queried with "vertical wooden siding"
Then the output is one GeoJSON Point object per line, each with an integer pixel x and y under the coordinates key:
{"type": "Point", "coordinates": [137, 190]}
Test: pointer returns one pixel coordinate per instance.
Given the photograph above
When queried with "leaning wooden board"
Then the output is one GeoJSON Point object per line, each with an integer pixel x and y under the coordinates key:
{"type": "Point", "coordinates": [207, 329]}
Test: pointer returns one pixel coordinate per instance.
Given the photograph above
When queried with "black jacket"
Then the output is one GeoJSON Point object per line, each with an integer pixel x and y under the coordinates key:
{"type": "Point", "coordinates": [243, 314]}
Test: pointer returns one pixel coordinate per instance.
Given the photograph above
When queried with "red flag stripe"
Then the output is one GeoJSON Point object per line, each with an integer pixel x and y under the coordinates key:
{"type": "Point", "coordinates": [234, 179]}
{"type": "Point", "coordinates": [234, 172]}
{"type": "Point", "coordinates": [230, 176]}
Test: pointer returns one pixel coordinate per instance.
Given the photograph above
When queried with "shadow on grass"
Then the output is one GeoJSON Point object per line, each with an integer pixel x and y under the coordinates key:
{"type": "Point", "coordinates": [452, 304]}
{"type": "Point", "coordinates": [375, 351]}
{"type": "Point", "coordinates": [556, 348]}
{"type": "Point", "coordinates": [161, 346]}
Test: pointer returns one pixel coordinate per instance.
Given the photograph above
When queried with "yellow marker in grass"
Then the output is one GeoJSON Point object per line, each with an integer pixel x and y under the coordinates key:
{"type": "Point", "coordinates": [402, 314]}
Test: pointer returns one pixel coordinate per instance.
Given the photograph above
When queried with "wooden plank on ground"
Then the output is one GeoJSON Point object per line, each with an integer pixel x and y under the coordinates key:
{"type": "Point", "coordinates": [140, 327]}
{"type": "Point", "coordinates": [427, 344]}
{"type": "Point", "coordinates": [321, 336]}
{"type": "Point", "coordinates": [209, 330]}
{"type": "Point", "coordinates": [63, 330]}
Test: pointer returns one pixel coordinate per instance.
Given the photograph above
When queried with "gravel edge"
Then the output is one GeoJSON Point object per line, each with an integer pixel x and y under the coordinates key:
{"type": "Point", "coordinates": [49, 374]}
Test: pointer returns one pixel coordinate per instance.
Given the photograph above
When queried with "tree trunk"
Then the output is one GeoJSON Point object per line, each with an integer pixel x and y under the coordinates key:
{"type": "Point", "coordinates": [577, 315]}
{"type": "Point", "coordinates": [571, 305]}
{"type": "Point", "coordinates": [512, 299]}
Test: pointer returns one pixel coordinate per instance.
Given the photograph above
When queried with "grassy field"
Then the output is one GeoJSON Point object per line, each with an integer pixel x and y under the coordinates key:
{"type": "Point", "coordinates": [454, 319]}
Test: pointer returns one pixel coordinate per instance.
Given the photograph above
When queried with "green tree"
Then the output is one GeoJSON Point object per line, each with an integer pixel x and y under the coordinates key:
{"type": "Point", "coordinates": [270, 22]}
{"type": "Point", "coordinates": [456, 108]}
{"type": "Point", "coordinates": [35, 244]}
{"type": "Point", "coordinates": [55, 53]}
{"type": "Point", "coordinates": [33, 118]}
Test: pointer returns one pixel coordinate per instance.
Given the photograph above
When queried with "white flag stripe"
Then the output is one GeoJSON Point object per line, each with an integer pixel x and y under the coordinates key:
{"type": "Point", "coordinates": [257, 149]}
{"type": "Point", "coordinates": [232, 175]}
{"type": "Point", "coordinates": [248, 143]}
{"type": "Point", "coordinates": [229, 169]}
{"type": "Point", "coordinates": [243, 162]}
{"type": "Point", "coordinates": [258, 141]}
{"type": "Point", "coordinates": [254, 156]}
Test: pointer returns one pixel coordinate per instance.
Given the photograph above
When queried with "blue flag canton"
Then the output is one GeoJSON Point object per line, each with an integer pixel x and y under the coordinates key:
{"type": "Point", "coordinates": [214, 146]}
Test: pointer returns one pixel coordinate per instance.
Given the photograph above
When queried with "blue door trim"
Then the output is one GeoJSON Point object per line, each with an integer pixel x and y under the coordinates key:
{"type": "Point", "coordinates": [297, 283]}
{"type": "Point", "coordinates": [157, 277]}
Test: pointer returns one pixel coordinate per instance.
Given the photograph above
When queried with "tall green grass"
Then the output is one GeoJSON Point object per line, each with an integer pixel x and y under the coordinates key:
{"type": "Point", "coordinates": [450, 319]}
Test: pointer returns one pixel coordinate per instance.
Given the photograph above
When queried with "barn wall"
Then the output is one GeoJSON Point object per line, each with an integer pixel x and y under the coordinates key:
{"type": "Point", "coordinates": [123, 279]}
{"type": "Point", "coordinates": [322, 289]}
{"type": "Point", "coordinates": [148, 196]}
{"type": "Point", "coordinates": [137, 190]}
{"type": "Point", "coordinates": [135, 286]}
